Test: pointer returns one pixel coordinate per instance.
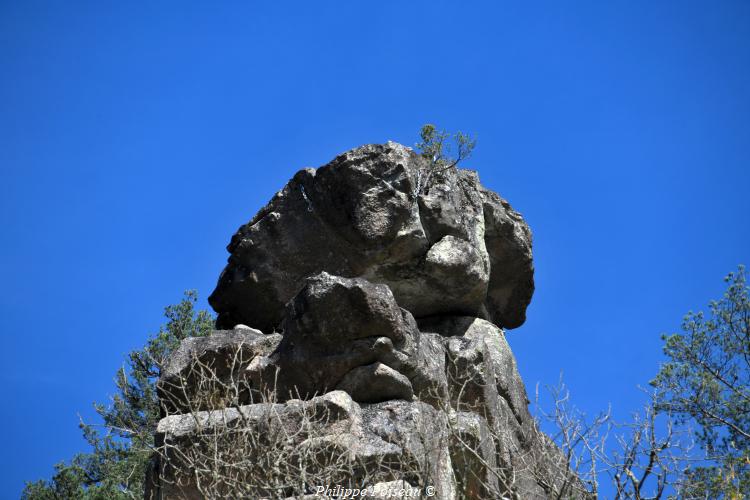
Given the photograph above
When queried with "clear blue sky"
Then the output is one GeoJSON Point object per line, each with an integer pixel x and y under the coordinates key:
{"type": "Point", "coordinates": [136, 137]}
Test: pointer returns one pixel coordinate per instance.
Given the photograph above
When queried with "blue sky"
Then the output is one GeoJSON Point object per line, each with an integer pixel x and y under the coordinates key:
{"type": "Point", "coordinates": [136, 137]}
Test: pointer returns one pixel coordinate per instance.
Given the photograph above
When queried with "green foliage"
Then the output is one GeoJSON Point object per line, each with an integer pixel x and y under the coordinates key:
{"type": "Point", "coordinates": [707, 381]}
{"type": "Point", "coordinates": [122, 445]}
{"type": "Point", "coordinates": [437, 148]}
{"type": "Point", "coordinates": [442, 154]}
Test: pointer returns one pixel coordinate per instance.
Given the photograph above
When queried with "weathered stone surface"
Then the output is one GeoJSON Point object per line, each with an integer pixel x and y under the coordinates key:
{"type": "Point", "coordinates": [375, 383]}
{"type": "Point", "coordinates": [428, 373]}
{"type": "Point", "coordinates": [473, 457]}
{"type": "Point", "coordinates": [341, 415]}
{"type": "Point", "coordinates": [421, 433]}
{"type": "Point", "coordinates": [337, 266]}
{"type": "Point", "coordinates": [209, 440]}
{"type": "Point", "coordinates": [508, 241]}
{"type": "Point", "coordinates": [208, 372]}
{"type": "Point", "coordinates": [335, 325]}
{"type": "Point", "coordinates": [333, 328]}
{"type": "Point", "coordinates": [219, 345]}
{"type": "Point", "coordinates": [480, 360]}
{"type": "Point", "coordinates": [351, 335]}
{"type": "Point", "coordinates": [485, 387]}
{"type": "Point", "coordinates": [366, 214]}
{"type": "Point", "coordinates": [391, 441]}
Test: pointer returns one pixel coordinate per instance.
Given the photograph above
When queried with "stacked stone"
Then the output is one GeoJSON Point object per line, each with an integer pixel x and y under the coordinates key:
{"type": "Point", "coordinates": [359, 290]}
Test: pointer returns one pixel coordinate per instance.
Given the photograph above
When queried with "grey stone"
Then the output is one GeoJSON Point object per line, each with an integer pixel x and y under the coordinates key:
{"type": "Point", "coordinates": [480, 359]}
{"type": "Point", "coordinates": [453, 248]}
{"type": "Point", "coordinates": [393, 441]}
{"type": "Point", "coordinates": [208, 372]}
{"type": "Point", "coordinates": [334, 325]}
{"type": "Point", "coordinates": [421, 433]}
{"type": "Point", "coordinates": [508, 241]}
{"type": "Point", "coordinates": [338, 332]}
{"type": "Point", "coordinates": [375, 383]}
{"type": "Point", "coordinates": [427, 372]}
{"type": "Point", "coordinates": [473, 457]}
{"type": "Point", "coordinates": [387, 364]}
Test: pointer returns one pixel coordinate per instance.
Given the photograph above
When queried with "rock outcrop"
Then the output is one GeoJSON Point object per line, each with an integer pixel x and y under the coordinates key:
{"type": "Point", "coordinates": [361, 344]}
{"type": "Point", "coordinates": [452, 248]}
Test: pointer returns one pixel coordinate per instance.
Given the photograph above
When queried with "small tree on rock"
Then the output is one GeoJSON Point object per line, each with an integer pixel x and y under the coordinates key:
{"type": "Point", "coordinates": [443, 151]}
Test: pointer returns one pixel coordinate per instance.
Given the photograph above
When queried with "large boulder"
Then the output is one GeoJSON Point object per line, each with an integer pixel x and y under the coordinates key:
{"type": "Point", "coordinates": [481, 367]}
{"type": "Point", "coordinates": [271, 450]}
{"type": "Point", "coordinates": [349, 333]}
{"type": "Point", "coordinates": [450, 247]}
{"type": "Point", "coordinates": [380, 359]}
{"type": "Point", "coordinates": [508, 241]}
{"type": "Point", "coordinates": [210, 372]}
{"type": "Point", "coordinates": [437, 402]}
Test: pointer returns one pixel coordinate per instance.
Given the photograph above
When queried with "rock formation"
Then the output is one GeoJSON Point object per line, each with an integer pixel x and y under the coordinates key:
{"type": "Point", "coordinates": [454, 248]}
{"type": "Point", "coordinates": [360, 342]}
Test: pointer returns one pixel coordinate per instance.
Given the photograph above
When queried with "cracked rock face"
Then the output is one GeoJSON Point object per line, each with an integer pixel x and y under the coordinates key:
{"type": "Point", "coordinates": [452, 247]}
{"type": "Point", "coordinates": [333, 329]}
{"type": "Point", "coordinates": [379, 443]}
{"type": "Point", "coordinates": [374, 347]}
